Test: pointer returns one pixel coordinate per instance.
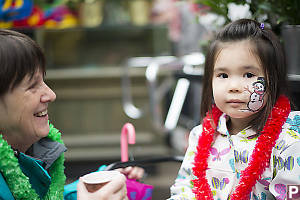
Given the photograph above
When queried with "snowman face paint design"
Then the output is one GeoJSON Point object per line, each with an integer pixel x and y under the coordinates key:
{"type": "Point", "coordinates": [256, 100]}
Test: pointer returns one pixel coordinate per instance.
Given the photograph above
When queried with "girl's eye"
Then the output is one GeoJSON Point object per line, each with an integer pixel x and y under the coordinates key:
{"type": "Point", "coordinates": [222, 75]}
{"type": "Point", "coordinates": [249, 75]}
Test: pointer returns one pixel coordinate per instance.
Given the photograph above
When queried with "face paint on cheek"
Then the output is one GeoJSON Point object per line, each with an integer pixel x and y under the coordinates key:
{"type": "Point", "coordinates": [256, 99]}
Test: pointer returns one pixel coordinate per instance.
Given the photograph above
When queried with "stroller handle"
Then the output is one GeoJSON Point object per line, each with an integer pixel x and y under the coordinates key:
{"type": "Point", "coordinates": [120, 164]}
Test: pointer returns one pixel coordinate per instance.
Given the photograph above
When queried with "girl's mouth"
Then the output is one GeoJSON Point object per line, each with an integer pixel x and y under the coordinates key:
{"type": "Point", "coordinates": [235, 101]}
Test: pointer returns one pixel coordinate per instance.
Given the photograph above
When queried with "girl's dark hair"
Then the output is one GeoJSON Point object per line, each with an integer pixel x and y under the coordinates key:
{"type": "Point", "coordinates": [268, 50]}
{"type": "Point", "coordinates": [19, 56]}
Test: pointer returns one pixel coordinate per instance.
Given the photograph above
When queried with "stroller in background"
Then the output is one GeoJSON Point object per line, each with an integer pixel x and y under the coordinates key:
{"type": "Point", "coordinates": [184, 72]}
{"type": "Point", "coordinates": [180, 87]}
{"type": "Point", "coordinates": [176, 126]}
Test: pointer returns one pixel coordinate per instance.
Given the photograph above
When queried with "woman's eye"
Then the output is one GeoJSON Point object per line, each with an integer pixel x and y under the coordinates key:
{"type": "Point", "coordinates": [222, 75]}
{"type": "Point", "coordinates": [249, 75]}
{"type": "Point", "coordinates": [32, 86]}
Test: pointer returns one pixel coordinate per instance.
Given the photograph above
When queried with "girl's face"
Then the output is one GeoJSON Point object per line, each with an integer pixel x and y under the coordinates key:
{"type": "Point", "coordinates": [23, 111]}
{"type": "Point", "coordinates": [238, 80]}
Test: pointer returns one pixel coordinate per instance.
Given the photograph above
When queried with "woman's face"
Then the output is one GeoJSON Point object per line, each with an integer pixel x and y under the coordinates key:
{"type": "Point", "coordinates": [23, 111]}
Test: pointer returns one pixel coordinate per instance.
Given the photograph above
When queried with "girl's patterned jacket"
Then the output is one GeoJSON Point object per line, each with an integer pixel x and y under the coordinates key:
{"type": "Point", "coordinates": [229, 156]}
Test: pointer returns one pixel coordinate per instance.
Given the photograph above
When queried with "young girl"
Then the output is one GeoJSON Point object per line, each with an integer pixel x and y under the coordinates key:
{"type": "Point", "coordinates": [248, 145]}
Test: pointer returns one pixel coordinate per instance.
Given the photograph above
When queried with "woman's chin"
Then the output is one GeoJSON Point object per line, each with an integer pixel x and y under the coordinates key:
{"type": "Point", "coordinates": [42, 131]}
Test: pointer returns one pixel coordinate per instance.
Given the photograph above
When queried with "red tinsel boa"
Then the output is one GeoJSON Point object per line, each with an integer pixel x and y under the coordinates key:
{"type": "Point", "coordinates": [260, 157]}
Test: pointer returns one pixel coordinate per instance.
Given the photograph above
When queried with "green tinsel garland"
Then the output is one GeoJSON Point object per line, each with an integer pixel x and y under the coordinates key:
{"type": "Point", "coordinates": [19, 184]}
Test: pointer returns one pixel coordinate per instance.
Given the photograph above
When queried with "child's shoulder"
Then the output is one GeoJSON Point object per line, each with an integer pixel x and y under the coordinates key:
{"type": "Point", "coordinates": [197, 128]}
{"type": "Point", "coordinates": [293, 122]}
{"type": "Point", "coordinates": [196, 131]}
{"type": "Point", "coordinates": [294, 113]}
{"type": "Point", "coordinates": [291, 129]}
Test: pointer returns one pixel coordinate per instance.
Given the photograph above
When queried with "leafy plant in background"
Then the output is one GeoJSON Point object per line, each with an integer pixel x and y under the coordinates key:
{"type": "Point", "coordinates": [274, 12]}
{"type": "Point", "coordinates": [220, 7]}
{"type": "Point", "coordinates": [277, 12]}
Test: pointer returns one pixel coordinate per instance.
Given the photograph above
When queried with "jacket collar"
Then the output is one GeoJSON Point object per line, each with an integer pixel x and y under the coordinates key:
{"type": "Point", "coordinates": [46, 150]}
{"type": "Point", "coordinates": [222, 128]}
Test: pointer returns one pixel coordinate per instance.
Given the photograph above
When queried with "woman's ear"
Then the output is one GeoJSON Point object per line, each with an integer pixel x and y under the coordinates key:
{"type": "Point", "coordinates": [3, 112]}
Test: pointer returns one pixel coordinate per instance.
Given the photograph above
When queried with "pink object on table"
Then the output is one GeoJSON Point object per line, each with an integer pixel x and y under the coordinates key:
{"type": "Point", "coordinates": [127, 130]}
{"type": "Point", "coordinates": [138, 191]}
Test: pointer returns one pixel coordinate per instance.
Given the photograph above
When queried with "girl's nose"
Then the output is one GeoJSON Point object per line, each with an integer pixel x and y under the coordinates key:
{"type": "Point", "coordinates": [235, 85]}
{"type": "Point", "coordinates": [48, 95]}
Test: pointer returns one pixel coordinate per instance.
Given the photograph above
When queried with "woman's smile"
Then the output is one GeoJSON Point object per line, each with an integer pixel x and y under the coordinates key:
{"type": "Point", "coordinates": [41, 113]}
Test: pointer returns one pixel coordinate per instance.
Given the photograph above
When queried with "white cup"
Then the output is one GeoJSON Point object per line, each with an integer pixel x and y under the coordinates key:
{"type": "Point", "coordinates": [96, 180]}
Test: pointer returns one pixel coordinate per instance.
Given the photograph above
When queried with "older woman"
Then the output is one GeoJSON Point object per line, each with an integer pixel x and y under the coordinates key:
{"type": "Point", "coordinates": [31, 149]}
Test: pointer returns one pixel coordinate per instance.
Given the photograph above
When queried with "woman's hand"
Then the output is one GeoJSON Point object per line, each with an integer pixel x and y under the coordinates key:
{"type": "Point", "coordinates": [132, 172]}
{"type": "Point", "coordinates": [113, 190]}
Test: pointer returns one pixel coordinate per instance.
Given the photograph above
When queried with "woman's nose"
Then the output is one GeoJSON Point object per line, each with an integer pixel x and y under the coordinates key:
{"type": "Point", "coordinates": [48, 95]}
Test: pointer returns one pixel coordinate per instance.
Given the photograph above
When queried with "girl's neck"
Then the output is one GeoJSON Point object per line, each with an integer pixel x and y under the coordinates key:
{"type": "Point", "coordinates": [236, 125]}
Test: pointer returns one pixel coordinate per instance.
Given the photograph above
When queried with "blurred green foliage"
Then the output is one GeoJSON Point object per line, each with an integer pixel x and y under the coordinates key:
{"type": "Point", "coordinates": [274, 12]}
